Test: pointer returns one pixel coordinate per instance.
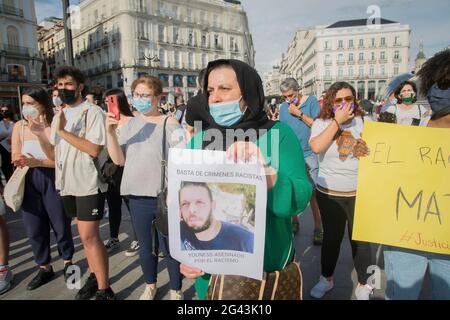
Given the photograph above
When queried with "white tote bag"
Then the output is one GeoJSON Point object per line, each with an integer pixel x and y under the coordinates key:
{"type": "Point", "coordinates": [15, 189]}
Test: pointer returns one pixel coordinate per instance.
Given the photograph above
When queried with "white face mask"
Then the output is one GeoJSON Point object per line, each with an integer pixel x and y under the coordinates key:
{"type": "Point", "coordinates": [57, 102]}
{"type": "Point", "coordinates": [30, 111]}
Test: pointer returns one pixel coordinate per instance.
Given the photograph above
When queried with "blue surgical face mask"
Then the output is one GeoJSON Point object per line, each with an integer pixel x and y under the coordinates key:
{"type": "Point", "coordinates": [226, 113]}
{"type": "Point", "coordinates": [142, 105]}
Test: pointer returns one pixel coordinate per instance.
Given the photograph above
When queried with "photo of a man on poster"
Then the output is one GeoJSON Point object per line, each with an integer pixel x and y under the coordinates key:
{"type": "Point", "coordinates": [200, 228]}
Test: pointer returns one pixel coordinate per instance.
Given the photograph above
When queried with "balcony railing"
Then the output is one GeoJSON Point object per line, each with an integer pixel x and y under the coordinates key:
{"type": "Point", "coordinates": [16, 50]}
{"type": "Point", "coordinates": [328, 63]}
{"type": "Point", "coordinates": [351, 62]}
{"type": "Point", "coordinates": [382, 60]}
{"type": "Point", "coordinates": [11, 10]}
{"type": "Point", "coordinates": [397, 60]}
{"type": "Point", "coordinates": [372, 61]}
{"type": "Point", "coordinates": [361, 61]}
{"type": "Point", "coordinates": [340, 62]}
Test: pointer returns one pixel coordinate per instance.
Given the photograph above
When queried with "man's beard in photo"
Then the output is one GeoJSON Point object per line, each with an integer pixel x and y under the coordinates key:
{"type": "Point", "coordinates": [205, 226]}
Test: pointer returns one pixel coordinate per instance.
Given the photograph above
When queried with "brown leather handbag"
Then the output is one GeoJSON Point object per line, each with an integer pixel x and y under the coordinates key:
{"type": "Point", "coordinates": [279, 285]}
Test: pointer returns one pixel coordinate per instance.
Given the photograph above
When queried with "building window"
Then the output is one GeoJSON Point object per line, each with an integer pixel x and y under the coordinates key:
{"type": "Point", "coordinates": [373, 56]}
{"type": "Point", "coordinates": [191, 38]}
{"type": "Point", "coordinates": [328, 59]}
{"type": "Point", "coordinates": [203, 40]}
{"type": "Point", "coordinates": [383, 41]}
{"type": "Point", "coordinates": [371, 71]}
{"type": "Point", "coordinates": [383, 69]}
{"type": "Point", "coordinates": [396, 69]}
{"type": "Point", "coordinates": [341, 44]}
{"type": "Point", "coordinates": [177, 59]}
{"type": "Point", "coordinates": [361, 56]}
{"type": "Point", "coordinates": [350, 43]}
{"type": "Point", "coordinates": [327, 73]}
{"type": "Point", "coordinates": [160, 32]}
{"type": "Point", "coordinates": [373, 42]}
{"type": "Point", "coordinates": [189, 15]}
{"type": "Point", "coordinates": [13, 36]}
{"type": "Point", "coordinates": [340, 73]}
{"type": "Point", "coordinates": [361, 43]}
{"type": "Point", "coordinates": [361, 72]}
{"type": "Point", "coordinates": [191, 60]}
{"type": "Point", "coordinates": [216, 40]}
{"type": "Point", "coordinates": [141, 30]}
{"type": "Point", "coordinates": [340, 57]}
{"type": "Point", "coordinates": [162, 58]}
{"type": "Point", "coordinates": [397, 54]}
{"type": "Point", "coordinates": [350, 72]}
{"type": "Point", "coordinates": [397, 40]}
{"type": "Point", "coordinates": [350, 57]}
{"type": "Point", "coordinates": [327, 45]}
{"type": "Point", "coordinates": [174, 13]}
{"type": "Point", "coordinates": [175, 35]}
{"type": "Point", "coordinates": [383, 55]}
{"type": "Point", "coordinates": [203, 17]}
{"type": "Point", "coordinates": [216, 21]}
{"type": "Point", "coordinates": [204, 60]}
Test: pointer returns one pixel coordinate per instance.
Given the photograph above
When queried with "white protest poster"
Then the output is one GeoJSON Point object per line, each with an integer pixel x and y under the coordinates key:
{"type": "Point", "coordinates": [217, 212]}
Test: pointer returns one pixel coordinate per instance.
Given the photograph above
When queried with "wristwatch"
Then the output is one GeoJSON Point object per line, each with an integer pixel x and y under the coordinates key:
{"type": "Point", "coordinates": [301, 116]}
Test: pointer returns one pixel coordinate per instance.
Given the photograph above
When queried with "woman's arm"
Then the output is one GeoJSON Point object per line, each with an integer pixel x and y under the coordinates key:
{"type": "Point", "coordinates": [112, 143]}
{"type": "Point", "coordinates": [292, 189]}
{"type": "Point", "coordinates": [16, 143]}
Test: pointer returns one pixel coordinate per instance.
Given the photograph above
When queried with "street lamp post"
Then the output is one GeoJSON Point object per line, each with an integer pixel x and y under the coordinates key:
{"type": "Point", "coordinates": [67, 33]}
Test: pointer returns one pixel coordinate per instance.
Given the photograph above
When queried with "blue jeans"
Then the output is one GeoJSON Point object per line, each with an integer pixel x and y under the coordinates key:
{"type": "Point", "coordinates": [405, 270]}
{"type": "Point", "coordinates": [312, 167]}
{"type": "Point", "coordinates": [143, 212]}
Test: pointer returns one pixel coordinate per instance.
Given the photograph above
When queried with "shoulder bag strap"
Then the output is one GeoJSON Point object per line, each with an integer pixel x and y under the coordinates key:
{"type": "Point", "coordinates": [163, 160]}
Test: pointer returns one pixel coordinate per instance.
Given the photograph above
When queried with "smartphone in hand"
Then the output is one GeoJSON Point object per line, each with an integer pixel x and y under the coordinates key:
{"type": "Point", "coordinates": [113, 106]}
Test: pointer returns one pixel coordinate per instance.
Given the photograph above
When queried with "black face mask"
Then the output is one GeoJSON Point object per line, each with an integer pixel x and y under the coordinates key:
{"type": "Point", "coordinates": [6, 114]}
{"type": "Point", "coordinates": [68, 96]}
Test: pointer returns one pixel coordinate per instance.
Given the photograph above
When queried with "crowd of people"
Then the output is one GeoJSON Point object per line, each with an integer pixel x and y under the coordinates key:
{"type": "Point", "coordinates": [63, 134]}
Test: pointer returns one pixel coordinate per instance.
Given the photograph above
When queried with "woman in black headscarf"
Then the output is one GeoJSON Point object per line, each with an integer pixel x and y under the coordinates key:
{"type": "Point", "coordinates": [238, 124]}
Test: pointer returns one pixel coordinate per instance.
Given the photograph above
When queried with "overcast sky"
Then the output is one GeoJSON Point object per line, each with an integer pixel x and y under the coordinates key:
{"type": "Point", "coordinates": [273, 22]}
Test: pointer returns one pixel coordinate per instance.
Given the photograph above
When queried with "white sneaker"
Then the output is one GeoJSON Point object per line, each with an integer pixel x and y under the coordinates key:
{"type": "Point", "coordinates": [176, 295]}
{"type": "Point", "coordinates": [363, 292]}
{"type": "Point", "coordinates": [149, 293]}
{"type": "Point", "coordinates": [322, 287]}
{"type": "Point", "coordinates": [133, 250]}
{"type": "Point", "coordinates": [6, 278]}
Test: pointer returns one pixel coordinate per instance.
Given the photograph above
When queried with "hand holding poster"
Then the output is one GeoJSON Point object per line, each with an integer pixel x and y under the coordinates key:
{"type": "Point", "coordinates": [403, 196]}
{"type": "Point", "coordinates": [217, 212]}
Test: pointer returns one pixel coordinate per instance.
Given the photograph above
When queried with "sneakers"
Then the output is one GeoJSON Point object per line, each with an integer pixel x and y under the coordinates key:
{"type": "Point", "coordinates": [41, 278]}
{"type": "Point", "coordinates": [133, 250]}
{"type": "Point", "coordinates": [6, 278]}
{"type": "Point", "coordinates": [322, 287]}
{"type": "Point", "coordinates": [363, 292]}
{"type": "Point", "coordinates": [112, 245]}
{"type": "Point", "coordinates": [149, 293]}
{"type": "Point", "coordinates": [318, 237]}
{"type": "Point", "coordinates": [89, 289]}
{"type": "Point", "coordinates": [106, 294]}
{"type": "Point", "coordinates": [176, 295]}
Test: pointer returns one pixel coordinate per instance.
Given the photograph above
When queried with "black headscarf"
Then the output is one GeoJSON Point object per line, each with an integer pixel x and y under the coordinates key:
{"type": "Point", "coordinates": [252, 93]}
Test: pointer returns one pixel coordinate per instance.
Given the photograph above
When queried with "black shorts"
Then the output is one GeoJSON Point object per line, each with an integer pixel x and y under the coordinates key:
{"type": "Point", "coordinates": [89, 208]}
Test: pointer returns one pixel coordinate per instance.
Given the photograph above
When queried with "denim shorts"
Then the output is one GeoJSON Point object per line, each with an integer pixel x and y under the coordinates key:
{"type": "Point", "coordinates": [312, 167]}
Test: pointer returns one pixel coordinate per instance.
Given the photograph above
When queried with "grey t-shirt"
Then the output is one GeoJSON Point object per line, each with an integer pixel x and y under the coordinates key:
{"type": "Point", "coordinates": [142, 145]}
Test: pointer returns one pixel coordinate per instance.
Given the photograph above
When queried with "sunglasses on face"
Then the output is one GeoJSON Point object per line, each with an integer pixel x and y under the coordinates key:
{"type": "Point", "coordinates": [339, 101]}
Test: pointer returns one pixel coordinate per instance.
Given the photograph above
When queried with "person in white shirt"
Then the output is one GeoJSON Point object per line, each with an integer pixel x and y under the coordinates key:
{"type": "Point", "coordinates": [6, 128]}
{"type": "Point", "coordinates": [42, 207]}
{"type": "Point", "coordinates": [336, 138]}
{"type": "Point", "coordinates": [406, 111]}
{"type": "Point", "coordinates": [78, 134]}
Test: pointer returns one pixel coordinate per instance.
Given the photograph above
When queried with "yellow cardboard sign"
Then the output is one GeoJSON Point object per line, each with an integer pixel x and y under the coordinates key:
{"type": "Point", "coordinates": [403, 195]}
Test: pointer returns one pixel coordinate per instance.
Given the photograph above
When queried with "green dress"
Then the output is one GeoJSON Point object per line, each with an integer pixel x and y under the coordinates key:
{"type": "Point", "coordinates": [289, 196]}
